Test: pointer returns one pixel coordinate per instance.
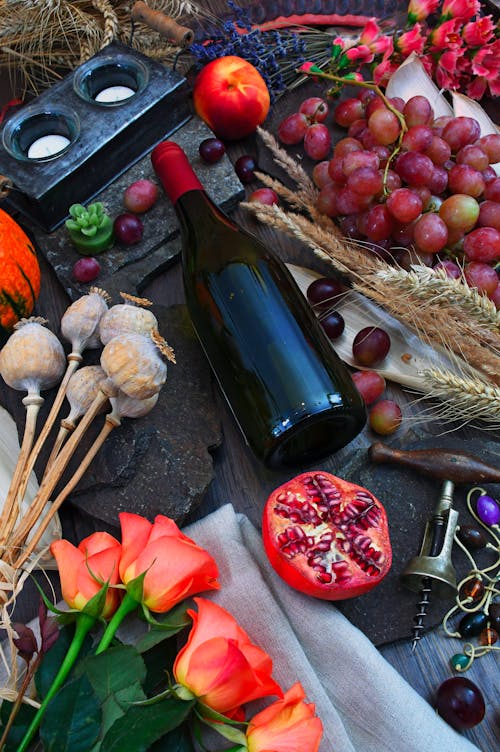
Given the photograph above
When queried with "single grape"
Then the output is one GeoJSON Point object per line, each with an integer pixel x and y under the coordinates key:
{"type": "Point", "coordinates": [315, 109]}
{"type": "Point", "coordinates": [320, 174]}
{"type": "Point", "coordinates": [140, 196]}
{"type": "Point", "coordinates": [417, 138]}
{"type": "Point", "coordinates": [492, 190]}
{"type": "Point", "coordinates": [375, 103]}
{"type": "Point", "coordinates": [462, 178]}
{"type": "Point", "coordinates": [370, 346]}
{"type": "Point", "coordinates": [317, 141]}
{"type": "Point", "coordinates": [439, 150]}
{"type": "Point", "coordinates": [336, 170]}
{"type": "Point", "coordinates": [414, 168]}
{"type": "Point", "coordinates": [392, 180]}
{"type": "Point", "coordinates": [357, 129]}
{"type": "Point", "coordinates": [128, 228]}
{"type": "Point", "coordinates": [324, 292]}
{"type": "Point", "coordinates": [409, 257]}
{"type": "Point", "coordinates": [379, 223]}
{"type": "Point", "coordinates": [460, 212]}
{"type": "Point", "coordinates": [461, 131]}
{"type": "Point", "coordinates": [398, 103]}
{"type": "Point", "coordinates": [404, 205]}
{"type": "Point", "coordinates": [370, 384]}
{"type": "Point", "coordinates": [357, 159]}
{"type": "Point", "coordinates": [245, 167]}
{"type": "Point", "coordinates": [438, 181]}
{"type": "Point", "coordinates": [348, 112]}
{"type": "Point", "coordinates": [326, 202]}
{"type": "Point", "coordinates": [450, 268]}
{"type": "Point", "coordinates": [438, 125]}
{"type": "Point", "coordinates": [345, 145]}
{"type": "Point", "coordinates": [495, 297]}
{"type": "Point", "coordinates": [333, 324]}
{"type": "Point", "coordinates": [430, 233]}
{"type": "Point", "coordinates": [473, 155]}
{"type": "Point", "coordinates": [481, 276]}
{"type": "Point", "coordinates": [383, 153]}
{"type": "Point", "coordinates": [292, 129]}
{"type": "Point", "coordinates": [349, 202]}
{"type": "Point", "coordinates": [366, 181]}
{"type": "Point", "coordinates": [460, 702]}
{"type": "Point", "coordinates": [491, 145]}
{"type": "Point", "coordinates": [86, 269]}
{"type": "Point", "coordinates": [385, 417]}
{"type": "Point", "coordinates": [489, 214]}
{"type": "Point", "coordinates": [211, 150]}
{"type": "Point", "coordinates": [482, 244]}
{"type": "Point", "coordinates": [264, 196]}
{"type": "Point", "coordinates": [488, 174]}
{"type": "Point", "coordinates": [418, 111]}
{"type": "Point", "coordinates": [384, 126]}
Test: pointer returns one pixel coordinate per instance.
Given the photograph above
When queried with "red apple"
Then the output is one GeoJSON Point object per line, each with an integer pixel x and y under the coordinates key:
{"type": "Point", "coordinates": [231, 96]}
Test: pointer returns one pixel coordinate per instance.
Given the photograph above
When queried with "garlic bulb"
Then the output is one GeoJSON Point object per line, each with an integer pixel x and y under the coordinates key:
{"type": "Point", "coordinates": [130, 316]}
{"type": "Point", "coordinates": [134, 363]}
{"type": "Point", "coordinates": [32, 359]}
{"type": "Point", "coordinates": [80, 322]}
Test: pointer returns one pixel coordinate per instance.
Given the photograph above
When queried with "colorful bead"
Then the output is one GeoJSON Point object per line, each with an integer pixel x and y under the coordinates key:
{"type": "Point", "coordinates": [488, 636]}
{"type": "Point", "coordinates": [472, 537]}
{"type": "Point", "coordinates": [459, 661]}
{"type": "Point", "coordinates": [473, 624]}
{"type": "Point", "coordinates": [472, 589]}
{"type": "Point", "coordinates": [488, 510]}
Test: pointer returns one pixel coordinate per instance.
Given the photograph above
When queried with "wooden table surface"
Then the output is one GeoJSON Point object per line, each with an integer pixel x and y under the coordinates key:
{"type": "Point", "coordinates": [238, 478]}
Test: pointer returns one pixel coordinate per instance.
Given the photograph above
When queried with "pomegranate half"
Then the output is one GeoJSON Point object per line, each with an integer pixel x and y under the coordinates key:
{"type": "Point", "coordinates": [326, 537]}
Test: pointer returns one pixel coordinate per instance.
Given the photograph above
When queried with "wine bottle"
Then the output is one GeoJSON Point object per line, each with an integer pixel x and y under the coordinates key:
{"type": "Point", "coordinates": [291, 395]}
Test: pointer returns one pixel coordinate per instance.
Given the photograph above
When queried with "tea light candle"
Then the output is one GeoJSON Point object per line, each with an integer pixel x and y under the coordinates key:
{"type": "Point", "coordinates": [47, 146]}
{"type": "Point", "coordinates": [114, 94]}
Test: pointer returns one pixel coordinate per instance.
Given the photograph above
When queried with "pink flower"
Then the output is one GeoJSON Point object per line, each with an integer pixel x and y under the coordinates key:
{"type": "Point", "coordinates": [486, 61]}
{"type": "Point", "coordinates": [372, 37]}
{"type": "Point", "coordinates": [428, 63]}
{"type": "Point", "coordinates": [476, 88]}
{"type": "Point", "coordinates": [450, 60]}
{"type": "Point", "coordinates": [446, 35]}
{"type": "Point", "coordinates": [446, 80]}
{"type": "Point", "coordinates": [420, 9]}
{"type": "Point", "coordinates": [479, 32]}
{"type": "Point", "coordinates": [411, 41]}
{"type": "Point", "coordinates": [461, 9]}
{"type": "Point", "coordinates": [361, 54]}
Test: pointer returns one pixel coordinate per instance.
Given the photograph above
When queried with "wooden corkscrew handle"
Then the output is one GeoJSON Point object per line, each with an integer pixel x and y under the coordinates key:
{"type": "Point", "coordinates": [457, 466]}
{"type": "Point", "coordinates": [163, 24]}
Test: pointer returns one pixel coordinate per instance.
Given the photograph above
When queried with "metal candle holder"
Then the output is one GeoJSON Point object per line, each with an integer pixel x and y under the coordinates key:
{"type": "Point", "coordinates": [102, 139]}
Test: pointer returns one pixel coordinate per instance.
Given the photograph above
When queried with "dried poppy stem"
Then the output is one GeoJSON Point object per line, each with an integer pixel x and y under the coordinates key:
{"type": "Point", "coordinates": [51, 478]}
{"type": "Point", "coordinates": [32, 402]}
{"type": "Point", "coordinates": [112, 421]}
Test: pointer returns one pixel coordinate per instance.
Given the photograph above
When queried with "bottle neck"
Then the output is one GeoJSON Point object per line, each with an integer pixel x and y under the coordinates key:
{"type": "Point", "coordinates": [174, 171]}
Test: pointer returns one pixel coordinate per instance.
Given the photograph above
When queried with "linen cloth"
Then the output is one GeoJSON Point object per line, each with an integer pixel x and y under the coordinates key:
{"type": "Point", "coordinates": [364, 704]}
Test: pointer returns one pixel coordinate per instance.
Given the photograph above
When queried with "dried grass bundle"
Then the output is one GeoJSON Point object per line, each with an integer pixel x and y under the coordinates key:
{"type": "Point", "coordinates": [42, 41]}
{"type": "Point", "coordinates": [445, 314]}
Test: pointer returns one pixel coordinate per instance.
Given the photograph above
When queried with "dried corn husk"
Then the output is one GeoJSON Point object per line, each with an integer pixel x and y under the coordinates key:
{"type": "Point", "coordinates": [411, 78]}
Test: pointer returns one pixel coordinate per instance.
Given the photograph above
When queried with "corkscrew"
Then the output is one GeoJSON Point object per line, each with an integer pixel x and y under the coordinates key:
{"type": "Point", "coordinates": [432, 571]}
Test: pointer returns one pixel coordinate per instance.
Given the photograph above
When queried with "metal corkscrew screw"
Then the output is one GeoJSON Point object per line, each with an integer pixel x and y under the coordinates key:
{"type": "Point", "coordinates": [432, 570]}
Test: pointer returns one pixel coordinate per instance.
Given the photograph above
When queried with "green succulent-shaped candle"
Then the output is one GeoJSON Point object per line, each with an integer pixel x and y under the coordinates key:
{"type": "Point", "coordinates": [90, 228]}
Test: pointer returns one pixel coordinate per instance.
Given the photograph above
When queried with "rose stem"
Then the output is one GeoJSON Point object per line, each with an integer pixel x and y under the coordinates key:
{"type": "Point", "coordinates": [112, 421]}
{"type": "Point", "coordinates": [10, 511]}
{"type": "Point", "coordinates": [50, 479]}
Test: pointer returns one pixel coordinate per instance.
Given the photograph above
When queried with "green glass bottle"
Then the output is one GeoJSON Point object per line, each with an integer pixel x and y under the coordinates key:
{"type": "Point", "coordinates": [291, 395]}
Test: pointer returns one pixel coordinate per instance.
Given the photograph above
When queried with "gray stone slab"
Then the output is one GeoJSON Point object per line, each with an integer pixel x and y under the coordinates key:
{"type": "Point", "coordinates": [130, 268]}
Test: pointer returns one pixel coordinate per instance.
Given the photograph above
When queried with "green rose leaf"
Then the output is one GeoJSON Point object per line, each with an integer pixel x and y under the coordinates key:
{"type": "Point", "coordinates": [141, 726]}
{"type": "Point", "coordinates": [72, 720]}
{"type": "Point", "coordinates": [178, 740]}
{"type": "Point", "coordinates": [20, 726]}
{"type": "Point", "coordinates": [164, 626]}
{"type": "Point", "coordinates": [103, 676]}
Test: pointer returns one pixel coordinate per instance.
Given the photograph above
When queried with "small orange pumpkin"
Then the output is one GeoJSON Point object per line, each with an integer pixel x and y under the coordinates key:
{"type": "Point", "coordinates": [19, 273]}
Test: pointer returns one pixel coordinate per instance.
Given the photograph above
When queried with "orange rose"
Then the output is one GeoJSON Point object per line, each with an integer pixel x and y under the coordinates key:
{"type": "Point", "coordinates": [85, 569]}
{"type": "Point", "coordinates": [219, 664]}
{"type": "Point", "coordinates": [288, 725]}
{"type": "Point", "coordinates": [175, 566]}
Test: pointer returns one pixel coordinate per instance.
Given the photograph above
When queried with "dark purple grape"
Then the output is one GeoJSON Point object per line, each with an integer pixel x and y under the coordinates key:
{"type": "Point", "coordinates": [323, 292]}
{"type": "Point", "coordinates": [370, 346]}
{"type": "Point", "coordinates": [128, 228]}
{"type": "Point", "coordinates": [245, 168]}
{"type": "Point", "coordinates": [211, 150]}
{"type": "Point", "coordinates": [86, 269]}
{"type": "Point", "coordinates": [333, 323]}
{"type": "Point", "coordinates": [460, 702]}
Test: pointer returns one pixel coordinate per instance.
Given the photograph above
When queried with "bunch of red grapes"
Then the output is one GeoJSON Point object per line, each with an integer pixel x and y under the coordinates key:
{"type": "Point", "coordinates": [413, 188]}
